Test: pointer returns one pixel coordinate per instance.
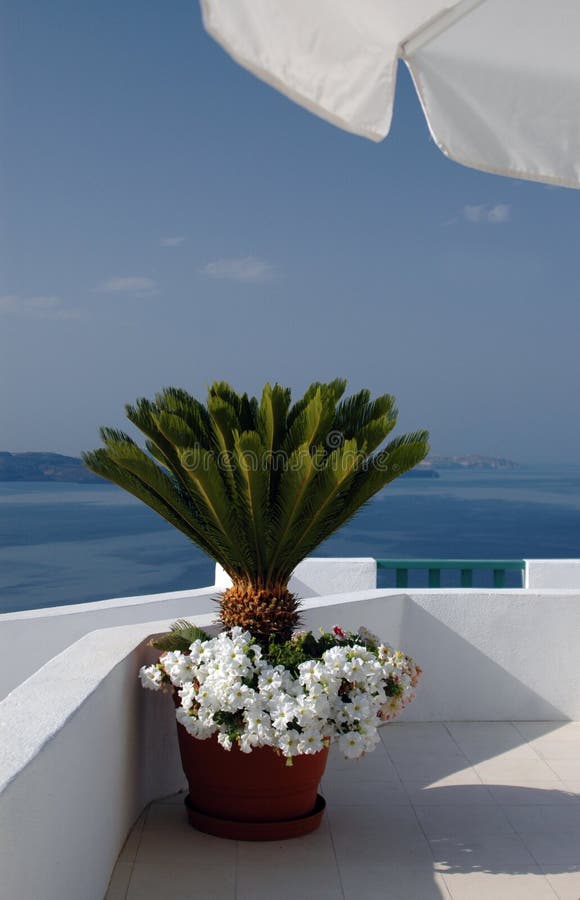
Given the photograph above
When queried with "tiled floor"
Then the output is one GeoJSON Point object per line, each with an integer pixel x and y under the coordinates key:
{"type": "Point", "coordinates": [463, 811]}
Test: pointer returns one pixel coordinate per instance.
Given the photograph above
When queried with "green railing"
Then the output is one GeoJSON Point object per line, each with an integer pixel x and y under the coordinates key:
{"type": "Point", "coordinates": [466, 568]}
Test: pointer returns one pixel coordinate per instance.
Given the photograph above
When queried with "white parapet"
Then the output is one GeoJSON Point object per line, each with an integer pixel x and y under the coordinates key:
{"type": "Point", "coordinates": [46, 632]}
{"type": "Point", "coordinates": [29, 638]}
{"type": "Point", "coordinates": [554, 574]}
{"type": "Point", "coordinates": [316, 576]}
{"type": "Point", "coordinates": [487, 655]}
{"type": "Point", "coordinates": [84, 748]}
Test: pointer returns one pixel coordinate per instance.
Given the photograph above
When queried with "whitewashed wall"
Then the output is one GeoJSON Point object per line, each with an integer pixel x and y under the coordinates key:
{"type": "Point", "coordinates": [45, 632]}
{"type": "Point", "coordinates": [30, 638]}
{"type": "Point", "coordinates": [554, 574]}
{"type": "Point", "coordinates": [83, 751]}
{"type": "Point", "coordinates": [316, 576]}
{"type": "Point", "coordinates": [84, 748]}
{"type": "Point", "coordinates": [491, 655]}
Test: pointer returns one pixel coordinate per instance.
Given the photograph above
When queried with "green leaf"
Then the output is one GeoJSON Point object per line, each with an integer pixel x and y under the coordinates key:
{"type": "Point", "coordinates": [258, 484]}
{"type": "Point", "coordinates": [181, 636]}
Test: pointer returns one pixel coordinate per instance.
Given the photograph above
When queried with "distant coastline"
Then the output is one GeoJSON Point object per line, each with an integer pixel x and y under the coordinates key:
{"type": "Point", "coordinates": [55, 467]}
{"type": "Point", "coordinates": [430, 467]}
{"type": "Point", "coordinates": [45, 467]}
{"type": "Point", "coordinates": [472, 461]}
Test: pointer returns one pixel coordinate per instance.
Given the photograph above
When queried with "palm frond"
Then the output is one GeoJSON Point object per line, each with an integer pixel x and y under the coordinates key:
{"type": "Point", "coordinates": [181, 636]}
{"type": "Point", "coordinates": [258, 484]}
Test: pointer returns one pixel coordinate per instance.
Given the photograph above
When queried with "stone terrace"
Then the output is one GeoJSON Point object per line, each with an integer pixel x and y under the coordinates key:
{"type": "Point", "coordinates": [462, 811]}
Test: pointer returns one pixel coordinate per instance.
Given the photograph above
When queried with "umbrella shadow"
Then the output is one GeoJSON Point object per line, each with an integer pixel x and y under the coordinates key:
{"type": "Point", "coordinates": [531, 828]}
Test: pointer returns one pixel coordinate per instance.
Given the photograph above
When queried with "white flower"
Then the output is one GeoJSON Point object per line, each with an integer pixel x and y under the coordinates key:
{"type": "Point", "coordinates": [360, 706]}
{"type": "Point", "coordinates": [197, 651]}
{"type": "Point", "coordinates": [237, 697]}
{"type": "Point", "coordinates": [288, 743]}
{"type": "Point", "coordinates": [246, 743]}
{"type": "Point", "coordinates": [228, 689]}
{"type": "Point", "coordinates": [225, 741]}
{"type": "Point", "coordinates": [311, 741]}
{"type": "Point", "coordinates": [187, 696]}
{"type": "Point", "coordinates": [178, 667]}
{"type": "Point", "coordinates": [351, 744]}
{"type": "Point", "coordinates": [151, 677]}
{"type": "Point", "coordinates": [270, 679]}
{"type": "Point", "coordinates": [282, 711]}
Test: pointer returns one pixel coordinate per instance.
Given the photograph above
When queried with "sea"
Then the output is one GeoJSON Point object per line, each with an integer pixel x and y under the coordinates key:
{"type": "Point", "coordinates": [62, 544]}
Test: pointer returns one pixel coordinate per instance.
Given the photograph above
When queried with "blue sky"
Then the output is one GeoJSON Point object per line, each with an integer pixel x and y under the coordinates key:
{"type": "Point", "coordinates": [168, 219]}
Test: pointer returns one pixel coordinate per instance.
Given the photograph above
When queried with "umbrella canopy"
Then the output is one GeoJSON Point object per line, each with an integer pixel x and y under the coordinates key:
{"type": "Point", "coordinates": [498, 80]}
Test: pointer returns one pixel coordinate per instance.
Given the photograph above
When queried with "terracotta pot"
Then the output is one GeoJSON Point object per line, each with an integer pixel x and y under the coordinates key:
{"type": "Point", "coordinates": [250, 796]}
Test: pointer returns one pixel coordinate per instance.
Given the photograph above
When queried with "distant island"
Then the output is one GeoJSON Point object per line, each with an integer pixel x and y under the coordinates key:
{"type": "Point", "coordinates": [45, 467]}
{"type": "Point", "coordinates": [56, 467]}
{"type": "Point", "coordinates": [430, 467]}
{"type": "Point", "coordinates": [473, 461]}
{"type": "Point", "coordinates": [422, 470]}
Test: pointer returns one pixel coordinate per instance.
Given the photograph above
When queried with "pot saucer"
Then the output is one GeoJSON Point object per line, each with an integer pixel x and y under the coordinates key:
{"type": "Point", "coordinates": [256, 831]}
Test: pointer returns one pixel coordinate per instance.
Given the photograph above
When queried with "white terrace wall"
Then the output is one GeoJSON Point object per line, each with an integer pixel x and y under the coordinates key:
{"type": "Point", "coordinates": [317, 576]}
{"type": "Point", "coordinates": [554, 574]}
{"type": "Point", "coordinates": [45, 632]}
{"type": "Point", "coordinates": [494, 655]}
{"type": "Point", "coordinates": [84, 748]}
{"type": "Point", "coordinates": [28, 639]}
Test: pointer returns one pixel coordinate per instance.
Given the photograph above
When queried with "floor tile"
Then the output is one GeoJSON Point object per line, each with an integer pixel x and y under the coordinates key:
{"type": "Point", "coordinates": [397, 880]}
{"type": "Point", "coordinates": [488, 886]}
{"type": "Point", "coordinates": [537, 794]}
{"type": "Point", "coordinates": [516, 771]}
{"type": "Point", "coordinates": [560, 731]}
{"type": "Point", "coordinates": [552, 819]}
{"type": "Point", "coordinates": [168, 835]}
{"type": "Point", "coordinates": [283, 854]}
{"type": "Point", "coordinates": [182, 879]}
{"type": "Point", "coordinates": [375, 766]}
{"type": "Point", "coordinates": [304, 867]}
{"type": "Point", "coordinates": [439, 743]}
{"type": "Point", "coordinates": [566, 885]}
{"type": "Point", "coordinates": [557, 749]}
{"type": "Point", "coordinates": [481, 742]}
{"type": "Point", "coordinates": [362, 793]}
{"type": "Point", "coordinates": [554, 851]}
{"type": "Point", "coordinates": [484, 731]}
{"type": "Point", "coordinates": [448, 794]}
{"type": "Point", "coordinates": [410, 733]}
{"type": "Point", "coordinates": [119, 883]}
{"type": "Point", "coordinates": [371, 837]}
{"type": "Point", "coordinates": [498, 854]}
{"type": "Point", "coordinates": [431, 772]}
{"type": "Point", "coordinates": [465, 777]}
{"type": "Point", "coordinates": [572, 786]}
{"type": "Point", "coordinates": [464, 811]}
{"type": "Point", "coordinates": [308, 883]}
{"type": "Point", "coordinates": [447, 761]}
{"type": "Point", "coordinates": [385, 822]}
{"type": "Point", "coordinates": [565, 769]}
{"type": "Point", "coordinates": [131, 846]}
{"type": "Point", "coordinates": [121, 874]}
{"type": "Point", "coordinates": [462, 821]}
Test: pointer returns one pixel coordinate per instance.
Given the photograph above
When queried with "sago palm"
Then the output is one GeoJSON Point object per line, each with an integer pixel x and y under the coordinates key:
{"type": "Point", "coordinates": [258, 484]}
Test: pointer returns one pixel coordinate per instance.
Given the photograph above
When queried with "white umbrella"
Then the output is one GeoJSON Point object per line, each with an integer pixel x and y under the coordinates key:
{"type": "Point", "coordinates": [499, 80]}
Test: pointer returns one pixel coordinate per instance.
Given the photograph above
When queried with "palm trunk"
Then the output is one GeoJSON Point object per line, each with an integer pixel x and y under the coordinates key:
{"type": "Point", "coordinates": [267, 611]}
